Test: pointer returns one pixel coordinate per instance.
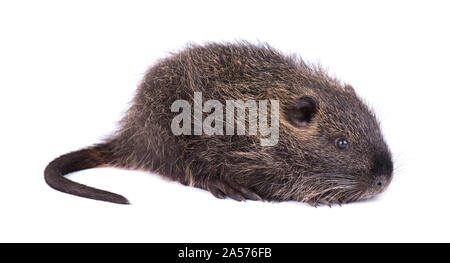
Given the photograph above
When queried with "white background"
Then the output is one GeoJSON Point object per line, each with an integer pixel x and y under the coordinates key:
{"type": "Point", "coordinates": [69, 69]}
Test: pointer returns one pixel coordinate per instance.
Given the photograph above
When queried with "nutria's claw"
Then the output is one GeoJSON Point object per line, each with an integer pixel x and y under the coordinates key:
{"type": "Point", "coordinates": [221, 189]}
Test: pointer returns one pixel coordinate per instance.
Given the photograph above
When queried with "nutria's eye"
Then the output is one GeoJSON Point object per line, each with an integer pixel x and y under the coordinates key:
{"type": "Point", "coordinates": [342, 144]}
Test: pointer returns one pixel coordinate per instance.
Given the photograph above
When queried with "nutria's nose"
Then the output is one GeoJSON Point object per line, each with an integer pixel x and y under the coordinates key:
{"type": "Point", "coordinates": [382, 164]}
{"type": "Point", "coordinates": [380, 183]}
{"type": "Point", "coordinates": [382, 169]}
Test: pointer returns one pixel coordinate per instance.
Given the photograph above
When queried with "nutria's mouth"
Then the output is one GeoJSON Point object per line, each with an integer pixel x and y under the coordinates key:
{"type": "Point", "coordinates": [342, 189]}
{"type": "Point", "coordinates": [334, 189]}
{"type": "Point", "coordinates": [340, 197]}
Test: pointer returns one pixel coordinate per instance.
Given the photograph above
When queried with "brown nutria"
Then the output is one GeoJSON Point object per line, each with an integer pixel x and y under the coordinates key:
{"type": "Point", "coordinates": [330, 147]}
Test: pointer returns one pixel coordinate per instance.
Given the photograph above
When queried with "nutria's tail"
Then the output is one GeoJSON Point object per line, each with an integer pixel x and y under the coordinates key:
{"type": "Point", "coordinates": [95, 156]}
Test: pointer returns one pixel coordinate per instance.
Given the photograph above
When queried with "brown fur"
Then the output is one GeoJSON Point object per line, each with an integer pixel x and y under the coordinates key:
{"type": "Point", "coordinates": [305, 165]}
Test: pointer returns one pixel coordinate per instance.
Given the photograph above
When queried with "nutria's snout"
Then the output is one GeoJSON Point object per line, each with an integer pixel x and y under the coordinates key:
{"type": "Point", "coordinates": [381, 171]}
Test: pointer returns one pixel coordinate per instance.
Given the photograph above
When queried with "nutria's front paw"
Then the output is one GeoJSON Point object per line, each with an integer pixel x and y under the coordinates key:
{"type": "Point", "coordinates": [223, 188]}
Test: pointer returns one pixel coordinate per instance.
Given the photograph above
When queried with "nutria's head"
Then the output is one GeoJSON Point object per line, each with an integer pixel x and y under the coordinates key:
{"type": "Point", "coordinates": [335, 145]}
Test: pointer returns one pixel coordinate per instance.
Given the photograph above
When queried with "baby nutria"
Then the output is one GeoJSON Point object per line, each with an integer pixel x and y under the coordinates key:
{"type": "Point", "coordinates": [329, 147]}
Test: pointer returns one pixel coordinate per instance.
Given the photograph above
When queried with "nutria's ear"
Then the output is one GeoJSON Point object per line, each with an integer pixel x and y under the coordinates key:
{"type": "Point", "coordinates": [303, 111]}
{"type": "Point", "coordinates": [349, 88]}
